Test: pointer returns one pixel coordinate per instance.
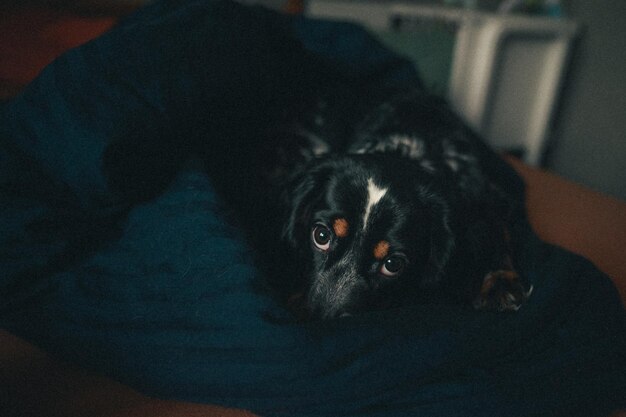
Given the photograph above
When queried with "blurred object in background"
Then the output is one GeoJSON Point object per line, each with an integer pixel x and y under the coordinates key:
{"type": "Point", "coordinates": [293, 6]}
{"type": "Point", "coordinates": [466, 4]}
{"type": "Point", "coordinates": [550, 8]}
{"type": "Point", "coordinates": [579, 129]}
{"type": "Point", "coordinates": [502, 72]}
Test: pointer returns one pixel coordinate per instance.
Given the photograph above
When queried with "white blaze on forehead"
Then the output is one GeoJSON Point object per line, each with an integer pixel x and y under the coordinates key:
{"type": "Point", "coordinates": [374, 195]}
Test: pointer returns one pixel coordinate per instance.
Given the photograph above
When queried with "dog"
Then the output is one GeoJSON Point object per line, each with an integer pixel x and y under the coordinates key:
{"type": "Point", "coordinates": [370, 203]}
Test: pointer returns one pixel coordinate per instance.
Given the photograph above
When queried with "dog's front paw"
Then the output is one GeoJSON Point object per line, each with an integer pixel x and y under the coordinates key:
{"type": "Point", "coordinates": [502, 290]}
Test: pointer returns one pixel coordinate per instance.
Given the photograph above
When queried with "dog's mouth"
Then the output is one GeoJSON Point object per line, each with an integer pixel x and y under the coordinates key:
{"type": "Point", "coordinates": [302, 310]}
{"type": "Point", "coordinates": [322, 315]}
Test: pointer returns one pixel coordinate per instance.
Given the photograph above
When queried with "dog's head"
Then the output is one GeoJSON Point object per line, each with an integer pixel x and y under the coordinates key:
{"type": "Point", "coordinates": [366, 231]}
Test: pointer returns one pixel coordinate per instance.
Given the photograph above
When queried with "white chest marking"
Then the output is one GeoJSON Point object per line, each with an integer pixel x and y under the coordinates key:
{"type": "Point", "coordinates": [374, 195]}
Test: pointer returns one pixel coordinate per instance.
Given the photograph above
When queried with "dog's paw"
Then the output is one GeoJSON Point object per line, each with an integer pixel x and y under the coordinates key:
{"type": "Point", "coordinates": [501, 290]}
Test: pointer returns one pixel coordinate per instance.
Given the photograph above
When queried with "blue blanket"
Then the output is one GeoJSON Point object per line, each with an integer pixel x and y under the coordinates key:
{"type": "Point", "coordinates": [157, 289]}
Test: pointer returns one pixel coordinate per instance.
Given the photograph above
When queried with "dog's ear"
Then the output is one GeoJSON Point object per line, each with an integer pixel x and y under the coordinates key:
{"type": "Point", "coordinates": [441, 242]}
{"type": "Point", "coordinates": [302, 192]}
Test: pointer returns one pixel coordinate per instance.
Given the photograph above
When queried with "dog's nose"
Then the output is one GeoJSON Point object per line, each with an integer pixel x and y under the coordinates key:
{"type": "Point", "coordinates": [329, 306]}
{"type": "Point", "coordinates": [329, 315]}
{"type": "Point", "coordinates": [323, 308]}
{"type": "Point", "coordinates": [336, 291]}
{"type": "Point", "coordinates": [322, 311]}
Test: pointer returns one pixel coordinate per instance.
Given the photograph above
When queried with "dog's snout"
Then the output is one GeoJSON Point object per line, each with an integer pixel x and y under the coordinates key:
{"type": "Point", "coordinates": [335, 294]}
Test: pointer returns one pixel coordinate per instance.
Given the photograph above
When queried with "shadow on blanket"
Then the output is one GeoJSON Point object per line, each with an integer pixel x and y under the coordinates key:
{"type": "Point", "coordinates": [157, 290]}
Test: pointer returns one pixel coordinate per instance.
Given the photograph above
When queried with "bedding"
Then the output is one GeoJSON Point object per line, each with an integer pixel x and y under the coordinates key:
{"type": "Point", "coordinates": [141, 274]}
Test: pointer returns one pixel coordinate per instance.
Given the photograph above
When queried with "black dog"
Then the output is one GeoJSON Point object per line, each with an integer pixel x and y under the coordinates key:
{"type": "Point", "coordinates": [360, 203]}
{"type": "Point", "coordinates": [401, 207]}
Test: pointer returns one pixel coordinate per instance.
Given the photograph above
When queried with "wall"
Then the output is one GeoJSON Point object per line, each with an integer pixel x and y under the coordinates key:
{"type": "Point", "coordinates": [589, 139]}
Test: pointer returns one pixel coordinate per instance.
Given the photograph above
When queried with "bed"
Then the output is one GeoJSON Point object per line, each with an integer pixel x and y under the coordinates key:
{"type": "Point", "coordinates": [104, 296]}
{"type": "Point", "coordinates": [37, 384]}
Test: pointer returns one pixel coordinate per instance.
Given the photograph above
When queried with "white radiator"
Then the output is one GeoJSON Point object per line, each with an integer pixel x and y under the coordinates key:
{"type": "Point", "coordinates": [506, 70]}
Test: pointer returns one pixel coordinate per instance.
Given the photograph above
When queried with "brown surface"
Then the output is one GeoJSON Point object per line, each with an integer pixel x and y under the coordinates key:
{"type": "Point", "coordinates": [578, 219]}
{"type": "Point", "coordinates": [31, 37]}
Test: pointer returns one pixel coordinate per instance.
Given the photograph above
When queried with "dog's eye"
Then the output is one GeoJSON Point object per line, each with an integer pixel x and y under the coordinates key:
{"type": "Point", "coordinates": [393, 266]}
{"type": "Point", "coordinates": [321, 237]}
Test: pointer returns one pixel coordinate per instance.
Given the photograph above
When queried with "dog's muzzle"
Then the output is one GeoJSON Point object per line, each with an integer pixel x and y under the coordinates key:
{"type": "Point", "coordinates": [335, 293]}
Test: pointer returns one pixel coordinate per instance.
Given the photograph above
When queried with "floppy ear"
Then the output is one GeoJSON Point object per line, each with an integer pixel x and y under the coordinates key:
{"type": "Point", "coordinates": [302, 193]}
{"type": "Point", "coordinates": [442, 242]}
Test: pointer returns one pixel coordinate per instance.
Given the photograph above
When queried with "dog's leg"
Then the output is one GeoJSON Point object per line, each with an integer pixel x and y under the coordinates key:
{"type": "Point", "coordinates": [496, 285]}
{"type": "Point", "coordinates": [502, 288]}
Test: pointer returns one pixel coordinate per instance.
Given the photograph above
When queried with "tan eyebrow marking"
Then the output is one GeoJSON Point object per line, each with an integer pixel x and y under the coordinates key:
{"type": "Point", "coordinates": [341, 227]}
{"type": "Point", "coordinates": [381, 250]}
